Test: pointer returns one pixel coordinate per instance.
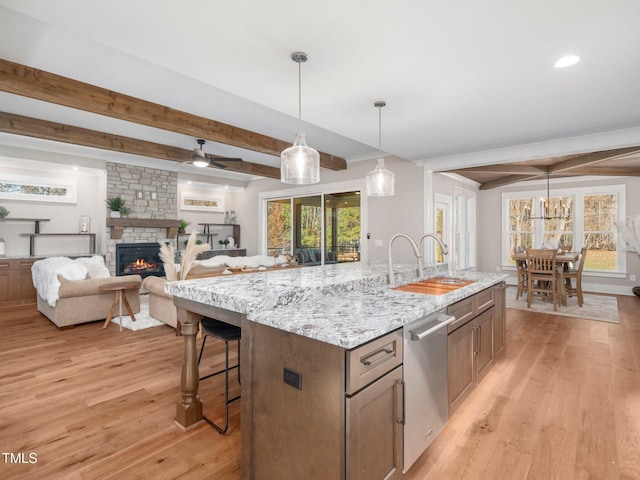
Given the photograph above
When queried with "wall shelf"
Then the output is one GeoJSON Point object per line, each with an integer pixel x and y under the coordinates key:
{"type": "Point", "coordinates": [32, 239]}
{"type": "Point", "coordinates": [119, 224]}
{"type": "Point", "coordinates": [35, 220]}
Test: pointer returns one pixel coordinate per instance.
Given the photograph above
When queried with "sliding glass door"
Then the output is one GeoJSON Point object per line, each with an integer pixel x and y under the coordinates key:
{"type": "Point", "coordinates": [316, 229]}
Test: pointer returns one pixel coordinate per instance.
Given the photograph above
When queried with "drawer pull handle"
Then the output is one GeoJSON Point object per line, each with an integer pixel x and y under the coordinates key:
{"type": "Point", "coordinates": [365, 360]}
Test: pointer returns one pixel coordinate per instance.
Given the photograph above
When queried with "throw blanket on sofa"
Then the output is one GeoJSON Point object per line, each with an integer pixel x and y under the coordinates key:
{"type": "Point", "coordinates": [45, 273]}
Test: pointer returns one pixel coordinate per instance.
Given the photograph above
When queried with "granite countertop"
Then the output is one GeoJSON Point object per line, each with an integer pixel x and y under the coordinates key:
{"type": "Point", "coordinates": [343, 304]}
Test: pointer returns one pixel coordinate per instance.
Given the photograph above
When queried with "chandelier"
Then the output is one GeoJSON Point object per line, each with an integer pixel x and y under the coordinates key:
{"type": "Point", "coordinates": [563, 212]}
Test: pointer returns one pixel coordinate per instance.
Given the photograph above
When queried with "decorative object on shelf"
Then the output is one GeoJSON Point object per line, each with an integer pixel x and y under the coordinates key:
{"type": "Point", "coordinates": [232, 217]}
{"type": "Point", "coordinates": [300, 163]}
{"type": "Point", "coordinates": [380, 182]}
{"type": "Point", "coordinates": [2, 248]}
{"type": "Point", "coordinates": [224, 242]}
{"type": "Point", "coordinates": [227, 217]}
{"type": "Point", "coordinates": [183, 226]}
{"type": "Point", "coordinates": [117, 207]}
{"type": "Point", "coordinates": [3, 212]}
{"type": "Point", "coordinates": [545, 209]}
{"type": "Point", "coordinates": [232, 242]}
{"type": "Point", "coordinates": [85, 223]}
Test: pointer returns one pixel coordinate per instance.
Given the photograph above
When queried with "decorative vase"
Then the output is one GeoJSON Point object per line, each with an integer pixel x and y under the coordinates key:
{"type": "Point", "coordinates": [115, 214]}
{"type": "Point", "coordinates": [636, 290]}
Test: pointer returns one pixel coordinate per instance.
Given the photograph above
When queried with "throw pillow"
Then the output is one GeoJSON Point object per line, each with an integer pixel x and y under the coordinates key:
{"type": "Point", "coordinates": [95, 266]}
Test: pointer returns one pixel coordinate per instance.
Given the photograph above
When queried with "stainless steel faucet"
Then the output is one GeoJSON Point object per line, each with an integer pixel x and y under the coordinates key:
{"type": "Point", "coordinates": [445, 250]}
{"type": "Point", "coordinates": [392, 279]}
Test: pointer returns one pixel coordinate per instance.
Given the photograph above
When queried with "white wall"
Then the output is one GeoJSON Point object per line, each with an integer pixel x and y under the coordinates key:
{"type": "Point", "coordinates": [386, 216]}
{"type": "Point", "coordinates": [490, 231]}
{"type": "Point", "coordinates": [64, 217]}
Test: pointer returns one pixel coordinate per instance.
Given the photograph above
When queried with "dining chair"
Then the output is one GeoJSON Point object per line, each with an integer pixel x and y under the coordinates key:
{"type": "Point", "coordinates": [544, 277]}
{"type": "Point", "coordinates": [576, 272]}
{"type": "Point", "coordinates": [521, 265]}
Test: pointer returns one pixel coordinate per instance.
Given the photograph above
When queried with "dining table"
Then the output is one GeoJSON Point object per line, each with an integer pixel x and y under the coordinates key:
{"type": "Point", "coordinates": [562, 258]}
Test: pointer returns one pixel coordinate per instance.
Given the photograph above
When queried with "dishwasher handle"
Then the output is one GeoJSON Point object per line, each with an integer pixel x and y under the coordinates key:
{"type": "Point", "coordinates": [443, 321]}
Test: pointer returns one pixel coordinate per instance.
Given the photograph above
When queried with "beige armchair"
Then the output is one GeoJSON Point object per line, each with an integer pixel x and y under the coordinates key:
{"type": "Point", "coordinates": [81, 301]}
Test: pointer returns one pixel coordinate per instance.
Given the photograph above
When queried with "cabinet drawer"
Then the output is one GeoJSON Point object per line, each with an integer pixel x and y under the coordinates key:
{"type": "Point", "coordinates": [464, 310]}
{"type": "Point", "coordinates": [485, 300]}
{"type": "Point", "coordinates": [372, 360]}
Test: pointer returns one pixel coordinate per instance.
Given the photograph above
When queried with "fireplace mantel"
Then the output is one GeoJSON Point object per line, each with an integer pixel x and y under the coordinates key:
{"type": "Point", "coordinates": [118, 225]}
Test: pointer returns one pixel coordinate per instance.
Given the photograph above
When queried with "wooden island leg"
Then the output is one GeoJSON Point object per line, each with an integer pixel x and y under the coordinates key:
{"type": "Point", "coordinates": [189, 408]}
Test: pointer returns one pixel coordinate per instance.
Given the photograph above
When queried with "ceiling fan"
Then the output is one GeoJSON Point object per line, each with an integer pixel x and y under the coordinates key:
{"type": "Point", "coordinates": [202, 160]}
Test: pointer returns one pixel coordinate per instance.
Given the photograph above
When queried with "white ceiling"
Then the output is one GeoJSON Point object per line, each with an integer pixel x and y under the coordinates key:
{"type": "Point", "coordinates": [458, 77]}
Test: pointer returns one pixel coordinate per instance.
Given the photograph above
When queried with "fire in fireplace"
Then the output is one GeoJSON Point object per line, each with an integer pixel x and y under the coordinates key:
{"type": "Point", "coordinates": [139, 259]}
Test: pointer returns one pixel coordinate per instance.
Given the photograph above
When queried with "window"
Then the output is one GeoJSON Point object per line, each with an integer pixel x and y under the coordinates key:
{"type": "Point", "coordinates": [593, 213]}
{"type": "Point", "coordinates": [464, 240]}
{"type": "Point", "coordinates": [322, 228]}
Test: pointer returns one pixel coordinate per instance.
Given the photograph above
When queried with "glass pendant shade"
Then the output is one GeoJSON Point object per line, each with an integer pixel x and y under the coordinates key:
{"type": "Point", "coordinates": [381, 182]}
{"type": "Point", "coordinates": [300, 163]}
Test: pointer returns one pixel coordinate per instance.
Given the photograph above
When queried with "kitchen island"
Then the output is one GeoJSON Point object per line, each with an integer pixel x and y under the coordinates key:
{"type": "Point", "coordinates": [305, 320]}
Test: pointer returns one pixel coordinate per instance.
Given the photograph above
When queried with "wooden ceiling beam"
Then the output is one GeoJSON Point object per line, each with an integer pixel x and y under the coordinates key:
{"type": "Point", "coordinates": [508, 180]}
{"type": "Point", "coordinates": [48, 87]}
{"type": "Point", "coordinates": [33, 127]}
{"type": "Point", "coordinates": [605, 171]}
{"type": "Point", "coordinates": [591, 158]}
{"type": "Point", "coordinates": [502, 169]}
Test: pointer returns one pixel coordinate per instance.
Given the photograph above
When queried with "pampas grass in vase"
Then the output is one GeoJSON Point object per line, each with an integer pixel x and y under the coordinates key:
{"type": "Point", "coordinates": [631, 232]}
{"type": "Point", "coordinates": [191, 253]}
{"type": "Point", "coordinates": [167, 255]}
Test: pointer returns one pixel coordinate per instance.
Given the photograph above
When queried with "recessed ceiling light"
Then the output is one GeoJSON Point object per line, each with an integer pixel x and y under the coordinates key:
{"type": "Point", "coordinates": [566, 61]}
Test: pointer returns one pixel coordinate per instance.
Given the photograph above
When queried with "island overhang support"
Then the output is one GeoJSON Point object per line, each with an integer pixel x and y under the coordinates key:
{"type": "Point", "coordinates": [189, 408]}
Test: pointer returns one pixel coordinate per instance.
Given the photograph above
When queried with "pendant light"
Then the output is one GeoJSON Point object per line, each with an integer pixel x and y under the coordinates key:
{"type": "Point", "coordinates": [300, 163]}
{"type": "Point", "coordinates": [380, 182]}
{"type": "Point", "coordinates": [199, 159]}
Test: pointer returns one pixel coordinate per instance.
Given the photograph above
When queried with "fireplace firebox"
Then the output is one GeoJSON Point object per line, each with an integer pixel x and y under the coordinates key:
{"type": "Point", "coordinates": [139, 259]}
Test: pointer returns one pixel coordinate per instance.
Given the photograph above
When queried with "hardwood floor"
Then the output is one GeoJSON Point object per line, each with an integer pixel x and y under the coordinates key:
{"type": "Point", "coordinates": [563, 402]}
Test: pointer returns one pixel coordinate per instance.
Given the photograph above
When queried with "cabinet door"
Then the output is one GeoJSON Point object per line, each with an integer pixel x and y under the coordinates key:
{"type": "Point", "coordinates": [483, 329]}
{"type": "Point", "coordinates": [374, 430]}
{"type": "Point", "coordinates": [23, 288]}
{"type": "Point", "coordinates": [500, 326]}
{"type": "Point", "coordinates": [6, 284]}
{"type": "Point", "coordinates": [461, 372]}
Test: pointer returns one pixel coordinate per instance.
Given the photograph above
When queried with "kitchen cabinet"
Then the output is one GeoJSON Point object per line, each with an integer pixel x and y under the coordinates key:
{"type": "Point", "coordinates": [500, 325]}
{"type": "Point", "coordinates": [16, 284]}
{"type": "Point", "coordinates": [470, 345]}
{"type": "Point", "coordinates": [321, 411]}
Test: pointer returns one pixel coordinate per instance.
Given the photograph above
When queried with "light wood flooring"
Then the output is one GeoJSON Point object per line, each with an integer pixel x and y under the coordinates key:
{"type": "Point", "coordinates": [563, 402]}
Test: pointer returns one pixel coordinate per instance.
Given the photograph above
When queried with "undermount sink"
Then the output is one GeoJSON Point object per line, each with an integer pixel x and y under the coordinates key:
{"type": "Point", "coordinates": [435, 285]}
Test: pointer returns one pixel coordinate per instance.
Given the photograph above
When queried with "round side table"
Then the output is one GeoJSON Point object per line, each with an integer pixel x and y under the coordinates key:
{"type": "Point", "coordinates": [120, 297]}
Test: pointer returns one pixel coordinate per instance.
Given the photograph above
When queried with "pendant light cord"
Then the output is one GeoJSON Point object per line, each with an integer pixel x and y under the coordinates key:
{"type": "Point", "coordinates": [299, 98]}
{"type": "Point", "coordinates": [379, 132]}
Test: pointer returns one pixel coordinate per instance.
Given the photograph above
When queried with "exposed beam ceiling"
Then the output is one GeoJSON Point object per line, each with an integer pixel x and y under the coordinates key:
{"type": "Point", "coordinates": [41, 85]}
{"type": "Point", "coordinates": [32, 127]}
{"type": "Point", "coordinates": [617, 162]}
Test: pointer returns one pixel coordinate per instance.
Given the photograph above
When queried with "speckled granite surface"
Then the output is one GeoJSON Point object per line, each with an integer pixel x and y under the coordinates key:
{"type": "Point", "coordinates": [344, 304]}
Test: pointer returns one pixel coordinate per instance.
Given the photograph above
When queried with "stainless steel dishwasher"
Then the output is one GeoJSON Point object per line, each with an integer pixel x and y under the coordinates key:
{"type": "Point", "coordinates": [425, 377]}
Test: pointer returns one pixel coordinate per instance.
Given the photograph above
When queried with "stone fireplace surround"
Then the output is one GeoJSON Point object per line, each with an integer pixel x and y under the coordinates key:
{"type": "Point", "coordinates": [150, 193]}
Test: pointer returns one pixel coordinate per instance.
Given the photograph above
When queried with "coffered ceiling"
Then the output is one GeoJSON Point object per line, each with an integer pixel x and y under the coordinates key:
{"type": "Point", "coordinates": [467, 84]}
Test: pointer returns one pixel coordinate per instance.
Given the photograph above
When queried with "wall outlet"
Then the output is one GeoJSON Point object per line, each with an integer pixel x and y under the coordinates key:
{"type": "Point", "coordinates": [293, 378]}
{"type": "Point", "coordinates": [632, 277]}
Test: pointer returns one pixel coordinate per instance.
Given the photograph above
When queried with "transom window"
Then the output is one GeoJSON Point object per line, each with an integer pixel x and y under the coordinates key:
{"type": "Point", "coordinates": [591, 213]}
